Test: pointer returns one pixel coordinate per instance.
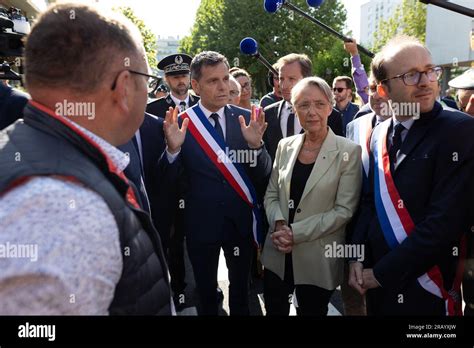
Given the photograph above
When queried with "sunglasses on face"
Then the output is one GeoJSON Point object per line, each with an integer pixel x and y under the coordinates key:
{"type": "Point", "coordinates": [338, 89]}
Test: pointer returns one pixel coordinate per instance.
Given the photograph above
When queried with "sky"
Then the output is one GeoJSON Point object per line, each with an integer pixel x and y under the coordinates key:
{"type": "Point", "coordinates": [175, 17]}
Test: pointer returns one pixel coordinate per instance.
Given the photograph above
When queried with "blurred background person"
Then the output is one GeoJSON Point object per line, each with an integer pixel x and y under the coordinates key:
{"type": "Point", "coordinates": [245, 81]}
{"type": "Point", "coordinates": [234, 92]}
{"type": "Point", "coordinates": [342, 88]}
{"type": "Point", "coordinates": [313, 192]}
{"type": "Point", "coordinates": [275, 95]}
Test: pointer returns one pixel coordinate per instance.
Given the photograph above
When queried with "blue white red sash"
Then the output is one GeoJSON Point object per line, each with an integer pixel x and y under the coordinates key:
{"type": "Point", "coordinates": [395, 219]}
{"type": "Point", "coordinates": [362, 132]}
{"type": "Point", "coordinates": [215, 148]}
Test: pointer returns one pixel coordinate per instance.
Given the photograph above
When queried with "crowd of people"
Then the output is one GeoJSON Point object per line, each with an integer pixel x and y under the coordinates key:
{"type": "Point", "coordinates": [375, 198]}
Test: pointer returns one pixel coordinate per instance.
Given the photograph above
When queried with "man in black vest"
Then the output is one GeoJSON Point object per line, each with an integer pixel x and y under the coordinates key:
{"type": "Point", "coordinates": [63, 195]}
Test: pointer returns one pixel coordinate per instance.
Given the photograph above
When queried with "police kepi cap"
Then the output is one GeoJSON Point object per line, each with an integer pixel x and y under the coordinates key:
{"type": "Point", "coordinates": [175, 64]}
{"type": "Point", "coordinates": [463, 81]}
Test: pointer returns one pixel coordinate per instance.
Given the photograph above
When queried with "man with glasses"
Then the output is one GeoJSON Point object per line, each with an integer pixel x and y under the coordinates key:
{"type": "Point", "coordinates": [66, 196]}
{"type": "Point", "coordinates": [422, 161]}
{"type": "Point", "coordinates": [342, 88]}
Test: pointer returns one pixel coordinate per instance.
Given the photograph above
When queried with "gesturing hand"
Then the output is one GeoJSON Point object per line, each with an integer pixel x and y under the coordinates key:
{"type": "Point", "coordinates": [253, 133]}
{"type": "Point", "coordinates": [174, 135]}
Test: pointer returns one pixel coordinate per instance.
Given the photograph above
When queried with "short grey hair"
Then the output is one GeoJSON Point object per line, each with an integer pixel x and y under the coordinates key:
{"type": "Point", "coordinates": [315, 82]}
{"type": "Point", "coordinates": [233, 79]}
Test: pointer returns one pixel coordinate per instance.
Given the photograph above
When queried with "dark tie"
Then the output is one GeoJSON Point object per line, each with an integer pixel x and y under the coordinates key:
{"type": "Point", "coordinates": [396, 143]}
{"type": "Point", "coordinates": [290, 125]}
{"type": "Point", "coordinates": [182, 106]}
{"type": "Point", "coordinates": [217, 125]}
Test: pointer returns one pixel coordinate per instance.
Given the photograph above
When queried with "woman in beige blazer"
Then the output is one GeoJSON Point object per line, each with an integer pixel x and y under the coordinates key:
{"type": "Point", "coordinates": [313, 193]}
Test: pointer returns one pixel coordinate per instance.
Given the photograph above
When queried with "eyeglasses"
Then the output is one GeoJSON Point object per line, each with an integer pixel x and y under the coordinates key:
{"type": "Point", "coordinates": [305, 106]}
{"type": "Point", "coordinates": [371, 89]}
{"type": "Point", "coordinates": [246, 85]}
{"type": "Point", "coordinates": [152, 82]}
{"type": "Point", "coordinates": [339, 89]}
{"type": "Point", "coordinates": [413, 78]}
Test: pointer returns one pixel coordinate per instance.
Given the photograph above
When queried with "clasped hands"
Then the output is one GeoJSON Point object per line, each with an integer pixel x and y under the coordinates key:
{"type": "Point", "coordinates": [361, 279]}
{"type": "Point", "coordinates": [282, 237]}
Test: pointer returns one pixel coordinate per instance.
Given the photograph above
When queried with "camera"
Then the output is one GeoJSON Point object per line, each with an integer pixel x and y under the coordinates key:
{"type": "Point", "coordinates": [13, 27]}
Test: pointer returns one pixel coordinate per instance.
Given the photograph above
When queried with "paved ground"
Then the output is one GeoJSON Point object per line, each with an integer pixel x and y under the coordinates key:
{"type": "Point", "coordinates": [256, 301]}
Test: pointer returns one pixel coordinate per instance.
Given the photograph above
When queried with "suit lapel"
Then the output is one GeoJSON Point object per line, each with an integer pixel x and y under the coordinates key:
{"type": "Point", "coordinates": [280, 109]}
{"type": "Point", "coordinates": [292, 154]}
{"type": "Point", "coordinates": [232, 127]}
{"type": "Point", "coordinates": [414, 136]}
{"type": "Point", "coordinates": [326, 157]}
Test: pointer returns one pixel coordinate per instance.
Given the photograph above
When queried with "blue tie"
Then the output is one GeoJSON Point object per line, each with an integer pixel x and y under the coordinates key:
{"type": "Point", "coordinates": [217, 125]}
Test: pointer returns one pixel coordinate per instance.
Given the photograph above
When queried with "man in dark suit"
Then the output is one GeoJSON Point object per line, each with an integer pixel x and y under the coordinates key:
{"type": "Point", "coordinates": [176, 68]}
{"type": "Point", "coordinates": [12, 102]}
{"type": "Point", "coordinates": [342, 89]}
{"type": "Point", "coordinates": [215, 214]}
{"type": "Point", "coordinates": [423, 156]}
{"type": "Point", "coordinates": [280, 116]}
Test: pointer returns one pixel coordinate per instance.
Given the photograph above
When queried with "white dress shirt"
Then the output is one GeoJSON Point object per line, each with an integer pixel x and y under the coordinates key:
{"type": "Point", "coordinates": [178, 101]}
{"type": "Point", "coordinates": [285, 113]}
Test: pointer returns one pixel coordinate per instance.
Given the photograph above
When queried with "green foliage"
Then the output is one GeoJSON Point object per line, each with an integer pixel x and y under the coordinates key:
{"type": "Point", "coordinates": [220, 25]}
{"type": "Point", "coordinates": [149, 39]}
{"type": "Point", "coordinates": [409, 18]}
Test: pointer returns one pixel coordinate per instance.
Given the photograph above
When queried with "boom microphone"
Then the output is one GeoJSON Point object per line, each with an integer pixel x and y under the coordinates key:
{"type": "Point", "coordinates": [314, 3]}
{"type": "Point", "coordinates": [249, 46]}
{"type": "Point", "coordinates": [272, 6]}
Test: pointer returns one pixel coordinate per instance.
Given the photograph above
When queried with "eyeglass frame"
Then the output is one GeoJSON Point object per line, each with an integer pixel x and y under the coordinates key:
{"type": "Point", "coordinates": [318, 105]}
{"type": "Point", "coordinates": [402, 76]}
{"type": "Point", "coordinates": [334, 89]}
{"type": "Point", "coordinates": [155, 79]}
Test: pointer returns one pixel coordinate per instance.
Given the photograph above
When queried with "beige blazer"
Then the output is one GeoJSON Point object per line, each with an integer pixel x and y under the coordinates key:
{"type": "Point", "coordinates": [329, 200]}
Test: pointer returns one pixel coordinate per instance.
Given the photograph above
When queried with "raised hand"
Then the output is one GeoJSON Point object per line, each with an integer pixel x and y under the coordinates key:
{"type": "Point", "coordinates": [351, 47]}
{"type": "Point", "coordinates": [174, 135]}
{"type": "Point", "coordinates": [253, 133]}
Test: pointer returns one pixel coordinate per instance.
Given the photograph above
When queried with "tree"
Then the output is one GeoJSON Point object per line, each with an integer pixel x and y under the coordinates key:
{"type": "Point", "coordinates": [409, 18]}
{"type": "Point", "coordinates": [149, 39]}
{"type": "Point", "coordinates": [220, 25]}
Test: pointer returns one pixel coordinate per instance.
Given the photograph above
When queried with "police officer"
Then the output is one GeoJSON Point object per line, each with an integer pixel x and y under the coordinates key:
{"type": "Point", "coordinates": [176, 68]}
{"type": "Point", "coordinates": [465, 91]}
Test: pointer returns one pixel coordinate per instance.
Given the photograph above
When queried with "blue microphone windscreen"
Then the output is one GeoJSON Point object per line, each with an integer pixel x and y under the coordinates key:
{"type": "Point", "coordinates": [314, 3]}
{"type": "Point", "coordinates": [271, 6]}
{"type": "Point", "coordinates": [249, 46]}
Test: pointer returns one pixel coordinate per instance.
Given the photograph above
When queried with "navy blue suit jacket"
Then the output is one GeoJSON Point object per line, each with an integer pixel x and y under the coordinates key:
{"type": "Point", "coordinates": [209, 199]}
{"type": "Point", "coordinates": [431, 181]}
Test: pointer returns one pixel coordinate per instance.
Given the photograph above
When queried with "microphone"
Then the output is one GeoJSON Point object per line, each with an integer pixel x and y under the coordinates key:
{"type": "Point", "coordinates": [314, 3]}
{"type": "Point", "coordinates": [249, 47]}
{"type": "Point", "coordinates": [271, 6]}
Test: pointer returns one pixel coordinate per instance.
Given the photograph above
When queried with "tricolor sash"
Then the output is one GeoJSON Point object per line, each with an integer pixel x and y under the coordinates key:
{"type": "Point", "coordinates": [395, 220]}
{"type": "Point", "coordinates": [362, 132]}
{"type": "Point", "coordinates": [214, 147]}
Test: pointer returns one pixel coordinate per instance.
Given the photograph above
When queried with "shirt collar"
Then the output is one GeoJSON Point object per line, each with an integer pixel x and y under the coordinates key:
{"type": "Point", "coordinates": [289, 106]}
{"type": "Point", "coordinates": [177, 101]}
{"type": "Point", "coordinates": [407, 123]}
{"type": "Point", "coordinates": [207, 113]}
{"type": "Point", "coordinates": [119, 159]}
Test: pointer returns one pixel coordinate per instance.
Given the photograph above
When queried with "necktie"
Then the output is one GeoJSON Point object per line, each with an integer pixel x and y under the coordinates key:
{"type": "Point", "coordinates": [290, 125]}
{"type": "Point", "coordinates": [182, 106]}
{"type": "Point", "coordinates": [396, 143]}
{"type": "Point", "coordinates": [217, 125]}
